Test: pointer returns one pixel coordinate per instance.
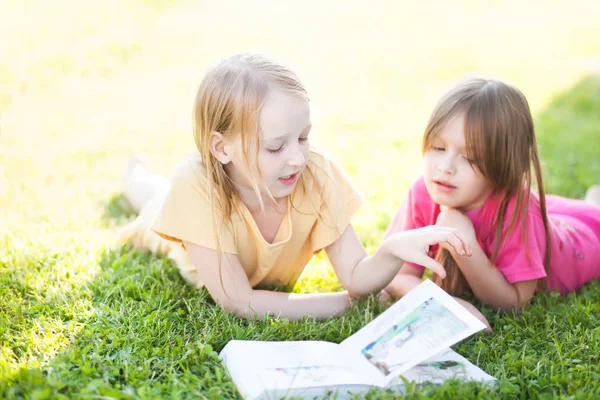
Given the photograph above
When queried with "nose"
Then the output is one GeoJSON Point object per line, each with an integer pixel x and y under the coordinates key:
{"type": "Point", "coordinates": [446, 165]}
{"type": "Point", "coordinates": [297, 159]}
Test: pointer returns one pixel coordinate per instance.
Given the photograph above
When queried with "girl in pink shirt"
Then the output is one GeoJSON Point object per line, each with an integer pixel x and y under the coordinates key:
{"type": "Point", "coordinates": [480, 161]}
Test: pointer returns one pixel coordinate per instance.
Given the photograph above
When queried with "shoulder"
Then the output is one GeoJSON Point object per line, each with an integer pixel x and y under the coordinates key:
{"type": "Point", "coordinates": [418, 195]}
{"type": "Point", "coordinates": [419, 189]}
{"type": "Point", "coordinates": [322, 170]}
{"type": "Point", "coordinates": [514, 221]}
{"type": "Point", "coordinates": [532, 205]}
{"type": "Point", "coordinates": [420, 204]}
{"type": "Point", "coordinates": [318, 159]}
{"type": "Point", "coordinates": [323, 178]}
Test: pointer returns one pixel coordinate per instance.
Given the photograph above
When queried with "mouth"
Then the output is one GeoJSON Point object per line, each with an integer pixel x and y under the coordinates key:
{"type": "Point", "coordinates": [289, 179]}
{"type": "Point", "coordinates": [443, 185]}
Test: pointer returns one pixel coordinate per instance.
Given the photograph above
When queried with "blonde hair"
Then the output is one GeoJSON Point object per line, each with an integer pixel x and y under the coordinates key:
{"type": "Point", "coordinates": [229, 101]}
{"type": "Point", "coordinates": [500, 139]}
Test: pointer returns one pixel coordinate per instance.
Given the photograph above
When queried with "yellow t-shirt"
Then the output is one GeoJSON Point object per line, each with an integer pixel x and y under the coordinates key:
{"type": "Point", "coordinates": [319, 210]}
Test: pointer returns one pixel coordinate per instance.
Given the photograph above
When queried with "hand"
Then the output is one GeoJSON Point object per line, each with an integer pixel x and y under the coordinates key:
{"type": "Point", "coordinates": [452, 218]}
{"type": "Point", "coordinates": [413, 245]}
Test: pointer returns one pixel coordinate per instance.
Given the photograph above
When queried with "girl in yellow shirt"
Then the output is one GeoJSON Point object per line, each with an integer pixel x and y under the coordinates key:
{"type": "Point", "coordinates": [253, 204]}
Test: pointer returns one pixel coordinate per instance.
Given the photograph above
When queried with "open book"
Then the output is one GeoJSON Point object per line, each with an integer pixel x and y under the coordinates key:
{"type": "Point", "coordinates": [411, 339]}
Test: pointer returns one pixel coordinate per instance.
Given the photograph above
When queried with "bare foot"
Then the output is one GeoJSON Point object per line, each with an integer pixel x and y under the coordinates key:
{"type": "Point", "coordinates": [137, 162]}
{"type": "Point", "coordinates": [137, 182]}
{"type": "Point", "coordinates": [593, 195]}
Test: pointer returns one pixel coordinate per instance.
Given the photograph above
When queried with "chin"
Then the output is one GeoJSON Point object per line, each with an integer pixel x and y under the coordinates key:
{"type": "Point", "coordinates": [438, 199]}
{"type": "Point", "coordinates": [280, 194]}
{"type": "Point", "coordinates": [444, 202]}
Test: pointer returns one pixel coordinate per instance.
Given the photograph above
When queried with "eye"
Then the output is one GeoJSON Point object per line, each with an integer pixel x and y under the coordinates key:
{"type": "Point", "coordinates": [303, 139]}
{"type": "Point", "coordinates": [438, 148]}
{"type": "Point", "coordinates": [275, 151]}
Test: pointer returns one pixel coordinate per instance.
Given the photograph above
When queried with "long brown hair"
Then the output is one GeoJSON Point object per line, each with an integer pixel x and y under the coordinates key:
{"type": "Point", "coordinates": [500, 139]}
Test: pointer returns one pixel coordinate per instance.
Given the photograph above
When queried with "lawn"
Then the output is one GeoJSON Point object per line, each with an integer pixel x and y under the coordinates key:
{"type": "Point", "coordinates": [85, 84]}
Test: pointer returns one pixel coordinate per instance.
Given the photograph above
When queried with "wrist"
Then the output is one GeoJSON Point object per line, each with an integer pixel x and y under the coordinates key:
{"type": "Point", "coordinates": [385, 251]}
{"type": "Point", "coordinates": [470, 241]}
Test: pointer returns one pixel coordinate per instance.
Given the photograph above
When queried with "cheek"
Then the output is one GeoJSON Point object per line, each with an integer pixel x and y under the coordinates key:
{"type": "Point", "coordinates": [469, 174]}
{"type": "Point", "coordinates": [306, 153]}
{"type": "Point", "coordinates": [270, 164]}
{"type": "Point", "coordinates": [428, 164]}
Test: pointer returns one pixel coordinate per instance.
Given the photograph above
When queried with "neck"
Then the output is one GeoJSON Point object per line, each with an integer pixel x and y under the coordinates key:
{"type": "Point", "coordinates": [476, 204]}
{"type": "Point", "coordinates": [252, 201]}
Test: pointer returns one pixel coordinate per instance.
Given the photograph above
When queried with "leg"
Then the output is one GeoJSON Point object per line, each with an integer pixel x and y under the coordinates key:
{"type": "Point", "coordinates": [140, 185]}
{"type": "Point", "coordinates": [593, 195]}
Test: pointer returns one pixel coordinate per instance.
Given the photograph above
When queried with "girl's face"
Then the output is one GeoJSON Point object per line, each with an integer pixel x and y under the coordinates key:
{"type": "Point", "coordinates": [283, 146]}
{"type": "Point", "coordinates": [450, 178]}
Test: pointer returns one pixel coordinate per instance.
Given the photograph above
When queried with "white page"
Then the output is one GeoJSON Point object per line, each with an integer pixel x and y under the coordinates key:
{"type": "Point", "coordinates": [446, 365]}
{"type": "Point", "coordinates": [419, 325]}
{"type": "Point", "coordinates": [279, 366]}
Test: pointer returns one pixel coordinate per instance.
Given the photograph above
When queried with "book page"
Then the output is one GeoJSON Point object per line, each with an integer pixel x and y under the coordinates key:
{"type": "Point", "coordinates": [446, 365]}
{"type": "Point", "coordinates": [421, 324]}
{"type": "Point", "coordinates": [277, 367]}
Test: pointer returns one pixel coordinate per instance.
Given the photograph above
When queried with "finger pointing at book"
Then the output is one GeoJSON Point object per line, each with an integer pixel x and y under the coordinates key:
{"type": "Point", "coordinates": [413, 245]}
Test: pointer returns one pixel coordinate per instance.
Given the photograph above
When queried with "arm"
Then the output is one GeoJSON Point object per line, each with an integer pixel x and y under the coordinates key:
{"type": "Point", "coordinates": [232, 291]}
{"type": "Point", "coordinates": [361, 274]}
{"type": "Point", "coordinates": [487, 282]}
{"type": "Point", "coordinates": [407, 279]}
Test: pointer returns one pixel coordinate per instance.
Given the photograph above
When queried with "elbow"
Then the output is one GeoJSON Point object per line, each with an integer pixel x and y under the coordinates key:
{"type": "Point", "coordinates": [517, 304]}
{"type": "Point", "coordinates": [248, 306]}
{"type": "Point", "coordinates": [500, 305]}
{"type": "Point", "coordinates": [511, 307]}
{"type": "Point", "coordinates": [506, 302]}
{"type": "Point", "coordinates": [240, 309]}
{"type": "Point", "coordinates": [351, 289]}
{"type": "Point", "coordinates": [234, 307]}
{"type": "Point", "coordinates": [238, 305]}
{"type": "Point", "coordinates": [354, 291]}
{"type": "Point", "coordinates": [356, 295]}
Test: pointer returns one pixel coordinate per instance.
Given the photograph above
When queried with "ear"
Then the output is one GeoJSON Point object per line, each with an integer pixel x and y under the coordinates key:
{"type": "Point", "coordinates": [220, 148]}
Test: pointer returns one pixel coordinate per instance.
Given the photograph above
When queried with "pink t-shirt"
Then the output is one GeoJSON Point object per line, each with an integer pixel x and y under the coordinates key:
{"type": "Point", "coordinates": [574, 234]}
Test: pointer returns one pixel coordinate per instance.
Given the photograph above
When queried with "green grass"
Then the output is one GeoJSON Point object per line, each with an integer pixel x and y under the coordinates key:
{"type": "Point", "coordinates": [82, 85]}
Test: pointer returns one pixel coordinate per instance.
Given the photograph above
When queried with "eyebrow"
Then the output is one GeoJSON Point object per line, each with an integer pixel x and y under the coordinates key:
{"type": "Point", "coordinates": [287, 134]}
